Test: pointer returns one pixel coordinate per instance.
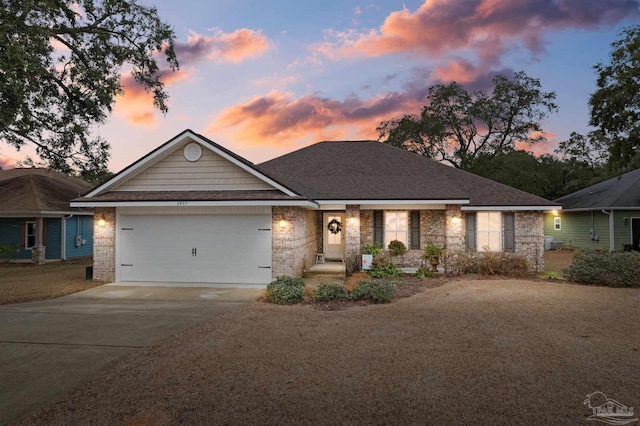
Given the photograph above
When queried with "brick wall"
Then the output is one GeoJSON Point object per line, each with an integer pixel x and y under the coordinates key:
{"type": "Point", "coordinates": [454, 238]}
{"type": "Point", "coordinates": [529, 234]}
{"type": "Point", "coordinates": [104, 244]}
{"type": "Point", "coordinates": [352, 239]}
{"type": "Point", "coordinates": [293, 245]}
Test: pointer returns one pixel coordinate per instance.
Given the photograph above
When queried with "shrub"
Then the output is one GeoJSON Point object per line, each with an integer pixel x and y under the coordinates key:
{"type": "Point", "coordinates": [397, 248]}
{"type": "Point", "coordinates": [458, 262]}
{"type": "Point", "coordinates": [331, 291]}
{"type": "Point", "coordinates": [285, 290]}
{"type": "Point", "coordinates": [383, 268]}
{"type": "Point", "coordinates": [432, 250]}
{"type": "Point", "coordinates": [423, 272]}
{"type": "Point", "coordinates": [512, 264]}
{"type": "Point", "coordinates": [607, 269]}
{"type": "Point", "coordinates": [8, 252]}
{"type": "Point", "coordinates": [376, 291]}
{"type": "Point", "coordinates": [371, 249]}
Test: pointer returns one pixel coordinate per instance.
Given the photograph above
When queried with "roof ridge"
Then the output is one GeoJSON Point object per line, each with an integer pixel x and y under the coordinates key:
{"type": "Point", "coordinates": [34, 191]}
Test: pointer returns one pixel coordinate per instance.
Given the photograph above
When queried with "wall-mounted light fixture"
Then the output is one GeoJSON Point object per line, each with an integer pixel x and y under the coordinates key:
{"type": "Point", "coordinates": [282, 223]}
{"type": "Point", "coordinates": [554, 212]}
{"type": "Point", "coordinates": [102, 222]}
{"type": "Point", "coordinates": [455, 220]}
{"type": "Point", "coordinates": [626, 220]}
{"type": "Point", "coordinates": [352, 220]}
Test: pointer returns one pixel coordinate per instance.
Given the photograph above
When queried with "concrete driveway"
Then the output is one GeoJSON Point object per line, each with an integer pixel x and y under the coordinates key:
{"type": "Point", "coordinates": [50, 347]}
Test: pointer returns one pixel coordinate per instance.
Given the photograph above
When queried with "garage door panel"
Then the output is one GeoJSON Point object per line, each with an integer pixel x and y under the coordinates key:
{"type": "Point", "coordinates": [229, 249]}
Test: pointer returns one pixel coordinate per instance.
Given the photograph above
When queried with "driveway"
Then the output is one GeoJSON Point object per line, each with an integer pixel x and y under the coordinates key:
{"type": "Point", "coordinates": [49, 347]}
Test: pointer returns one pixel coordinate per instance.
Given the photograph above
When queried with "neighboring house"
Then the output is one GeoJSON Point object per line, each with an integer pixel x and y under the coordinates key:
{"type": "Point", "coordinates": [35, 215]}
{"type": "Point", "coordinates": [604, 216]}
{"type": "Point", "coordinates": [192, 211]}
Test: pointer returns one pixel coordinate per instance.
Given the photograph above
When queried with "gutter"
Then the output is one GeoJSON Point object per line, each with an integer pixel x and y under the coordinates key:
{"type": "Point", "coordinates": [612, 244]}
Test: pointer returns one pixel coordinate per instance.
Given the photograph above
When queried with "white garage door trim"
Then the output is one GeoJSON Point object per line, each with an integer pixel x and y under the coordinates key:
{"type": "Point", "coordinates": [221, 249]}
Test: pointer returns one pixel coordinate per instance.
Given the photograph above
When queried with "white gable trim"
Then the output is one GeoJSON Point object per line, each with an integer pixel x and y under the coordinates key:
{"type": "Point", "coordinates": [300, 203]}
{"type": "Point", "coordinates": [387, 202]}
{"type": "Point", "coordinates": [168, 147]}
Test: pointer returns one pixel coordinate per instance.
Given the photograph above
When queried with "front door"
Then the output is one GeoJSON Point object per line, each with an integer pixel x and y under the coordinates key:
{"type": "Point", "coordinates": [333, 235]}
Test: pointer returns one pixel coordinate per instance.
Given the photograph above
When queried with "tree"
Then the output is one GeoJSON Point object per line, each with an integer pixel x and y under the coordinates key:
{"type": "Point", "coordinates": [457, 126]}
{"type": "Point", "coordinates": [615, 105]}
{"type": "Point", "coordinates": [60, 71]}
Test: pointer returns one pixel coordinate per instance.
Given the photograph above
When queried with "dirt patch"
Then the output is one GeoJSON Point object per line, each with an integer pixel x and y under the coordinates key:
{"type": "Point", "coordinates": [557, 260]}
{"type": "Point", "coordinates": [25, 282]}
{"type": "Point", "coordinates": [497, 352]}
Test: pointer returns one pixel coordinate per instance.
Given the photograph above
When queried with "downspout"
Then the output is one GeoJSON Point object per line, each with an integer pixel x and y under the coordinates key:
{"type": "Point", "coordinates": [612, 245]}
{"type": "Point", "coordinates": [63, 242]}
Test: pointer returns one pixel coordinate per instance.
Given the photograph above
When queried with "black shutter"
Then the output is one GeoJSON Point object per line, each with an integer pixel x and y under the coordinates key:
{"type": "Point", "coordinates": [415, 229]}
{"type": "Point", "coordinates": [509, 232]}
{"type": "Point", "coordinates": [377, 227]}
{"type": "Point", "coordinates": [470, 219]}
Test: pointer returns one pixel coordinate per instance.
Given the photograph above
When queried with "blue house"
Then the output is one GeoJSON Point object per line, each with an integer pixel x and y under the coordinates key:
{"type": "Point", "coordinates": [36, 216]}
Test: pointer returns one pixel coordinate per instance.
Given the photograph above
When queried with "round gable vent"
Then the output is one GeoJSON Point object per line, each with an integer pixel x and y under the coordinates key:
{"type": "Point", "coordinates": [192, 152]}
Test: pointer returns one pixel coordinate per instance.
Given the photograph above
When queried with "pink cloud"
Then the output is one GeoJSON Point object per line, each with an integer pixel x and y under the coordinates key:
{"type": "Point", "coordinates": [6, 163]}
{"type": "Point", "coordinates": [543, 148]}
{"type": "Point", "coordinates": [281, 119]}
{"type": "Point", "coordinates": [440, 26]}
{"type": "Point", "coordinates": [232, 47]}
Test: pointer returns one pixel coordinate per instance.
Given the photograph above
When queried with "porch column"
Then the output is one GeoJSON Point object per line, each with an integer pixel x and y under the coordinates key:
{"type": "Point", "coordinates": [453, 228]}
{"type": "Point", "coordinates": [38, 250]}
{"type": "Point", "coordinates": [352, 238]}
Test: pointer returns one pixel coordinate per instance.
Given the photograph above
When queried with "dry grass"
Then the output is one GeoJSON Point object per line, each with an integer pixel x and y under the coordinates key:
{"type": "Point", "coordinates": [497, 352]}
{"type": "Point", "coordinates": [24, 282]}
{"type": "Point", "coordinates": [557, 260]}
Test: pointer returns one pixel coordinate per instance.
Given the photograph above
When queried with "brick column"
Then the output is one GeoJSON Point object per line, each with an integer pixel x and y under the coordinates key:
{"type": "Point", "coordinates": [38, 254]}
{"type": "Point", "coordinates": [529, 234]}
{"type": "Point", "coordinates": [453, 228]}
{"type": "Point", "coordinates": [104, 244]}
{"type": "Point", "coordinates": [352, 238]}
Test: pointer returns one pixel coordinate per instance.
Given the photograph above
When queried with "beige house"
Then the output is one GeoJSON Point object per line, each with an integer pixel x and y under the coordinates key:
{"type": "Point", "coordinates": [191, 211]}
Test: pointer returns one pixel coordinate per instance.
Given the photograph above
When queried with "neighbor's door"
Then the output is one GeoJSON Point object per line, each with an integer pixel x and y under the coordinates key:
{"type": "Point", "coordinates": [635, 233]}
{"type": "Point", "coordinates": [333, 239]}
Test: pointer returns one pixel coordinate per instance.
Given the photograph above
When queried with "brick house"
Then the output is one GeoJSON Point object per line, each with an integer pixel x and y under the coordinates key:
{"type": "Point", "coordinates": [193, 211]}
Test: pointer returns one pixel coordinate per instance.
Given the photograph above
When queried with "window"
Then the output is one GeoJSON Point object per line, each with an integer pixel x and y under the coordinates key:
{"type": "Point", "coordinates": [557, 223]}
{"type": "Point", "coordinates": [30, 234]}
{"type": "Point", "coordinates": [489, 226]}
{"type": "Point", "coordinates": [396, 227]}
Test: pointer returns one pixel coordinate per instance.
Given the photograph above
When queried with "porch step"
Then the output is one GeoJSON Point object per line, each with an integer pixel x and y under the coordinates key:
{"type": "Point", "coordinates": [326, 270]}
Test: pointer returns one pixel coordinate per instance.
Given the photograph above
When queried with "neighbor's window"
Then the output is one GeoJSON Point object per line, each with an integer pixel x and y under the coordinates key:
{"type": "Point", "coordinates": [396, 227]}
{"type": "Point", "coordinates": [489, 231]}
{"type": "Point", "coordinates": [30, 234]}
{"type": "Point", "coordinates": [557, 223]}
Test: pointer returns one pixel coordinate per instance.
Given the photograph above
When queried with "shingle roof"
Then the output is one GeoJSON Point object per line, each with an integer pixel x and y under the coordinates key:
{"type": "Point", "coordinates": [266, 195]}
{"type": "Point", "coordinates": [38, 190]}
{"type": "Point", "coordinates": [622, 192]}
{"type": "Point", "coordinates": [370, 170]}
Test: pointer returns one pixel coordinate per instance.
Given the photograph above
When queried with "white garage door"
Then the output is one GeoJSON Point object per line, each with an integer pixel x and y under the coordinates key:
{"type": "Point", "coordinates": [195, 249]}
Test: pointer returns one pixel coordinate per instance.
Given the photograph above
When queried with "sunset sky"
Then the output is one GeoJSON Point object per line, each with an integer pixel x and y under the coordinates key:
{"type": "Point", "coordinates": [263, 78]}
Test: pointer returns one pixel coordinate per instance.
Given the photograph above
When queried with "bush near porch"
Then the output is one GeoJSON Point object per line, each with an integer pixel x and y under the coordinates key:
{"type": "Point", "coordinates": [610, 269]}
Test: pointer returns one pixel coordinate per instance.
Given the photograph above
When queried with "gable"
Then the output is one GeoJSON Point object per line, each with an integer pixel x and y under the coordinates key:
{"type": "Point", "coordinates": [211, 172]}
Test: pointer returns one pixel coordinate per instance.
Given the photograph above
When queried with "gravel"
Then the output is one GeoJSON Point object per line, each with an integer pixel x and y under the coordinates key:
{"type": "Point", "coordinates": [466, 352]}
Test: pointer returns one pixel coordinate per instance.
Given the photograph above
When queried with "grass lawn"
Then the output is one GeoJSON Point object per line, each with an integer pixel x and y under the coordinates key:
{"type": "Point", "coordinates": [482, 352]}
{"type": "Point", "coordinates": [24, 282]}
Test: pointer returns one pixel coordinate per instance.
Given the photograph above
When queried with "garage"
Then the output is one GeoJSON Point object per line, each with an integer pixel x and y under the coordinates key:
{"type": "Point", "coordinates": [220, 249]}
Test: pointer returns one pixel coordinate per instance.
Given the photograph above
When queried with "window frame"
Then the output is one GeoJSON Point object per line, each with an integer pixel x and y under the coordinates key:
{"type": "Point", "coordinates": [387, 229]}
{"type": "Point", "coordinates": [499, 231]}
{"type": "Point", "coordinates": [26, 234]}
{"type": "Point", "coordinates": [557, 223]}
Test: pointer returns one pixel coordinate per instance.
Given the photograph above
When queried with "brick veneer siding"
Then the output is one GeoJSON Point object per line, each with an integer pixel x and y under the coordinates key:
{"type": "Point", "coordinates": [293, 247]}
{"type": "Point", "coordinates": [352, 239]}
{"type": "Point", "coordinates": [529, 236]}
{"type": "Point", "coordinates": [104, 244]}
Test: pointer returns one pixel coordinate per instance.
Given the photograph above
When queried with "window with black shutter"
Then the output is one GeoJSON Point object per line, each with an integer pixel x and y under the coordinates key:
{"type": "Point", "coordinates": [470, 225]}
{"type": "Point", "coordinates": [377, 228]}
{"type": "Point", "coordinates": [415, 229]}
{"type": "Point", "coordinates": [509, 232]}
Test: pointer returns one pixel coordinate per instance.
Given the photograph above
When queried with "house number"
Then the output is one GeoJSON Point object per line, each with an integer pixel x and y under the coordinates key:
{"type": "Point", "coordinates": [182, 203]}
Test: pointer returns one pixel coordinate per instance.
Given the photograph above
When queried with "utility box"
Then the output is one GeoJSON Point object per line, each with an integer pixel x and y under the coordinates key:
{"type": "Point", "coordinates": [547, 242]}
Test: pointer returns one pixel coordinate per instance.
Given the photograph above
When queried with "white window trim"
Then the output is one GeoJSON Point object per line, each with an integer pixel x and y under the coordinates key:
{"type": "Point", "coordinates": [557, 224]}
{"type": "Point", "coordinates": [385, 229]}
{"type": "Point", "coordinates": [499, 231]}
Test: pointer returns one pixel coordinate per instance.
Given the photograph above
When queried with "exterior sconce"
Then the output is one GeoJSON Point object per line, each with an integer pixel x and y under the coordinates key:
{"type": "Point", "coordinates": [554, 212]}
{"type": "Point", "coordinates": [455, 220]}
{"type": "Point", "coordinates": [352, 220]}
{"type": "Point", "coordinates": [626, 220]}
{"type": "Point", "coordinates": [282, 224]}
{"type": "Point", "coordinates": [102, 222]}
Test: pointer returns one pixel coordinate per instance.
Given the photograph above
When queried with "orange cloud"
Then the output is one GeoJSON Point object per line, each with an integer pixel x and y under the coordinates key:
{"type": "Point", "coordinates": [543, 148]}
{"type": "Point", "coordinates": [6, 163]}
{"type": "Point", "coordinates": [224, 47]}
{"type": "Point", "coordinates": [440, 26]}
{"type": "Point", "coordinates": [281, 119]}
{"type": "Point", "coordinates": [136, 104]}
